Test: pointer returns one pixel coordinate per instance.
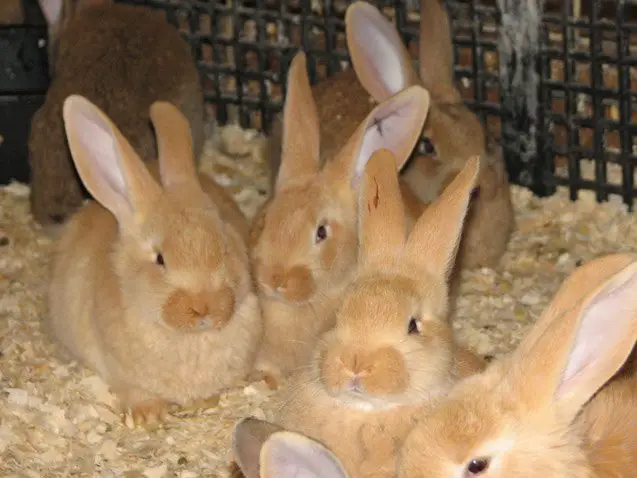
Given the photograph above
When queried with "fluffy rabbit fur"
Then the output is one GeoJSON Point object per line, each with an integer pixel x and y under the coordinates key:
{"type": "Point", "coordinates": [151, 285]}
{"type": "Point", "coordinates": [305, 239]}
{"type": "Point", "coordinates": [384, 67]}
{"type": "Point", "coordinates": [123, 58]}
{"type": "Point", "coordinates": [265, 450]}
{"type": "Point", "coordinates": [548, 410]}
{"type": "Point", "coordinates": [11, 12]}
{"type": "Point", "coordinates": [392, 351]}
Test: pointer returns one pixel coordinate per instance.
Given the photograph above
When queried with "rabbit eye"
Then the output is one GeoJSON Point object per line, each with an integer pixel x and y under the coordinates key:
{"type": "Point", "coordinates": [477, 466]}
{"type": "Point", "coordinates": [321, 233]}
{"type": "Point", "coordinates": [159, 259]}
{"type": "Point", "coordinates": [413, 326]}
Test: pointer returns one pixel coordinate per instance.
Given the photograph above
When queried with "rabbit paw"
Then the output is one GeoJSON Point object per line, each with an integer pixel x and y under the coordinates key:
{"type": "Point", "coordinates": [149, 412]}
{"type": "Point", "coordinates": [272, 378]}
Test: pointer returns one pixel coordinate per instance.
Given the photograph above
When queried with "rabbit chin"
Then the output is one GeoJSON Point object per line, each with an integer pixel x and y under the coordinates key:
{"type": "Point", "coordinates": [366, 402]}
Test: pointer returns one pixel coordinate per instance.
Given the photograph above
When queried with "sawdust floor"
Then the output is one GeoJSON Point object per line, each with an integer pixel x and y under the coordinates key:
{"type": "Point", "coordinates": [58, 419]}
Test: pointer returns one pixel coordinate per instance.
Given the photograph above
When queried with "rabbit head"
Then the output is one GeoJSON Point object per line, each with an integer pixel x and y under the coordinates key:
{"type": "Point", "coordinates": [265, 450]}
{"type": "Point", "coordinates": [517, 418]}
{"type": "Point", "coordinates": [305, 239]}
{"type": "Point", "coordinates": [176, 260]}
{"type": "Point", "coordinates": [393, 344]}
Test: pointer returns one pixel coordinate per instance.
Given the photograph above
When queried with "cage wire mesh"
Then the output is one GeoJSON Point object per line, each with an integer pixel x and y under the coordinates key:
{"type": "Point", "coordinates": [553, 80]}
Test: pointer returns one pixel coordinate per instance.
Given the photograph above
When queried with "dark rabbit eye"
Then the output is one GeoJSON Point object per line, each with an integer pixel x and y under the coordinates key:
{"type": "Point", "coordinates": [159, 259]}
{"type": "Point", "coordinates": [321, 233]}
{"type": "Point", "coordinates": [413, 326]}
{"type": "Point", "coordinates": [477, 466]}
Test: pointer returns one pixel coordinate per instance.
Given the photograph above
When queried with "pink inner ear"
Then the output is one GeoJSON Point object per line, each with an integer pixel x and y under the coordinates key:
{"type": "Point", "coordinates": [378, 40]}
{"type": "Point", "coordinates": [95, 138]}
{"type": "Point", "coordinates": [605, 324]}
{"type": "Point", "coordinates": [390, 129]}
{"type": "Point", "coordinates": [51, 10]}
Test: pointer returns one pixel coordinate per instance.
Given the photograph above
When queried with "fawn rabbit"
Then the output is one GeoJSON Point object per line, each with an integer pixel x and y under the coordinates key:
{"type": "Point", "coordinates": [151, 284]}
{"type": "Point", "coordinates": [553, 408]}
{"type": "Point", "coordinates": [305, 238]}
{"type": "Point", "coordinates": [383, 66]}
{"type": "Point", "coordinates": [265, 450]}
{"type": "Point", "coordinates": [392, 351]}
{"type": "Point", "coordinates": [123, 58]}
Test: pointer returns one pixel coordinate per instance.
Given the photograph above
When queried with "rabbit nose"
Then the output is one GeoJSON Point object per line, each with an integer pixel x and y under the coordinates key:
{"type": "Point", "coordinates": [354, 384]}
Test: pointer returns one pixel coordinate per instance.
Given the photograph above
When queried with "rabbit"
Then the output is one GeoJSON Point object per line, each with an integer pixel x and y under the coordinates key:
{"type": "Point", "coordinates": [304, 240]}
{"type": "Point", "coordinates": [554, 407]}
{"type": "Point", "coordinates": [392, 351]}
{"type": "Point", "coordinates": [383, 66]}
{"type": "Point", "coordinates": [265, 450]}
{"type": "Point", "coordinates": [151, 284]}
{"type": "Point", "coordinates": [123, 58]}
{"type": "Point", "coordinates": [11, 12]}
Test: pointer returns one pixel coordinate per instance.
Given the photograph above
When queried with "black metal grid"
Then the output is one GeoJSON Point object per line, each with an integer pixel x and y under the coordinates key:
{"type": "Point", "coordinates": [582, 133]}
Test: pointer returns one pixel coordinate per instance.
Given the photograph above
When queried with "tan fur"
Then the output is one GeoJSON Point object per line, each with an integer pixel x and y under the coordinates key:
{"type": "Point", "coordinates": [453, 128]}
{"type": "Point", "coordinates": [531, 417]}
{"type": "Point", "coordinates": [123, 58]}
{"type": "Point", "coordinates": [157, 334]}
{"type": "Point", "coordinates": [372, 376]}
{"type": "Point", "coordinates": [300, 278]}
{"type": "Point", "coordinates": [11, 12]}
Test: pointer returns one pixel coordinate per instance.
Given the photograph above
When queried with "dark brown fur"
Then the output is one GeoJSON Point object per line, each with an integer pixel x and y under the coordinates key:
{"type": "Point", "coordinates": [122, 58]}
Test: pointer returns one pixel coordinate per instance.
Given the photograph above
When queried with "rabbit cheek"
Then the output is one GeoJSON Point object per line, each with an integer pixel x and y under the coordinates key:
{"type": "Point", "coordinates": [298, 284]}
{"type": "Point", "coordinates": [388, 374]}
{"type": "Point", "coordinates": [191, 312]}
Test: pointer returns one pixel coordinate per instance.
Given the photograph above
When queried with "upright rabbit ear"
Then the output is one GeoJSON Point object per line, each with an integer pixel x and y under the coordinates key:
{"type": "Point", "coordinates": [581, 349]}
{"type": "Point", "coordinates": [248, 438]}
{"type": "Point", "coordinates": [434, 240]}
{"type": "Point", "coordinates": [394, 125]}
{"type": "Point", "coordinates": [300, 141]}
{"type": "Point", "coordinates": [109, 167]}
{"type": "Point", "coordinates": [381, 211]}
{"type": "Point", "coordinates": [435, 50]}
{"type": "Point", "coordinates": [52, 11]}
{"type": "Point", "coordinates": [379, 57]}
{"type": "Point", "coordinates": [291, 455]}
{"type": "Point", "coordinates": [574, 290]}
{"type": "Point", "coordinates": [174, 145]}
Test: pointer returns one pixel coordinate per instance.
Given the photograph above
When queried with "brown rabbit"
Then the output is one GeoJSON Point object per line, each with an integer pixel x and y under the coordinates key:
{"type": "Point", "coordinates": [305, 238]}
{"type": "Point", "coordinates": [11, 12]}
{"type": "Point", "coordinates": [382, 67]}
{"type": "Point", "coordinates": [555, 407]}
{"type": "Point", "coordinates": [151, 283]}
{"type": "Point", "coordinates": [392, 352]}
{"type": "Point", "coordinates": [121, 57]}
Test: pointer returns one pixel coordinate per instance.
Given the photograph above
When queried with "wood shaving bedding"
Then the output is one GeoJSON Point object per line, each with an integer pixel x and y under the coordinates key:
{"type": "Point", "coordinates": [58, 419]}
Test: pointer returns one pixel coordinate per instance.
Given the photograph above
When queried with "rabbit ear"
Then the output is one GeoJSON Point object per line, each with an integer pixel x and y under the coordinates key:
{"type": "Point", "coordinates": [291, 455]}
{"type": "Point", "coordinates": [381, 210]}
{"type": "Point", "coordinates": [435, 51]}
{"type": "Point", "coordinates": [248, 438]}
{"type": "Point", "coordinates": [174, 145]}
{"type": "Point", "coordinates": [581, 349]}
{"type": "Point", "coordinates": [300, 141]}
{"type": "Point", "coordinates": [434, 239]}
{"type": "Point", "coordinates": [52, 10]}
{"type": "Point", "coordinates": [109, 167]}
{"type": "Point", "coordinates": [379, 57]}
{"type": "Point", "coordinates": [573, 291]}
{"type": "Point", "coordinates": [394, 124]}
